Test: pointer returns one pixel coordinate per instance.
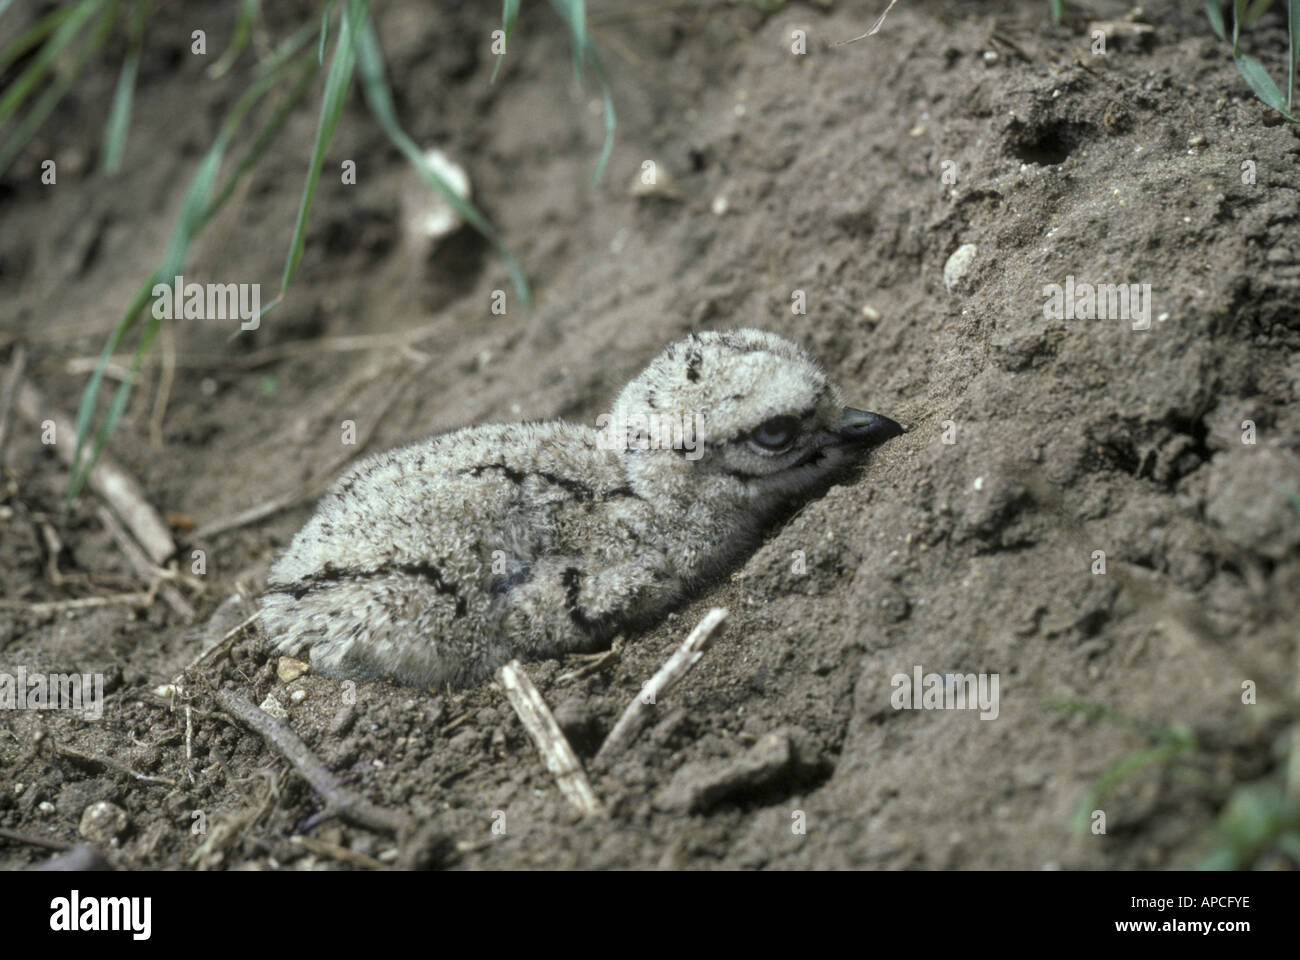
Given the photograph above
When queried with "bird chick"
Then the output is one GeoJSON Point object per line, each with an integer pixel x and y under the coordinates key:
{"type": "Point", "coordinates": [440, 561]}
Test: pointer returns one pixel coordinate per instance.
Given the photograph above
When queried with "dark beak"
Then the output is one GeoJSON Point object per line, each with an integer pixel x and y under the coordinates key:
{"type": "Point", "coordinates": [859, 426]}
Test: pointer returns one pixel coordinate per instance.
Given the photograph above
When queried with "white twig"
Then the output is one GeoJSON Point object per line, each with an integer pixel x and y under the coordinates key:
{"type": "Point", "coordinates": [546, 733]}
{"type": "Point", "coordinates": [140, 563]}
{"type": "Point", "coordinates": [878, 24]}
{"type": "Point", "coordinates": [222, 645]}
{"type": "Point", "coordinates": [679, 664]}
{"type": "Point", "coordinates": [80, 603]}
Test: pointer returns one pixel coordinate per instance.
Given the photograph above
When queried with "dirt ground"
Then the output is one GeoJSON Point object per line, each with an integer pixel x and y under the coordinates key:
{"type": "Point", "coordinates": [852, 173]}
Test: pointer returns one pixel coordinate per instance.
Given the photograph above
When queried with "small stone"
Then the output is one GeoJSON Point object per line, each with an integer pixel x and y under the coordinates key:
{"type": "Point", "coordinates": [273, 708]}
{"type": "Point", "coordinates": [45, 807]}
{"type": "Point", "coordinates": [1124, 34]}
{"type": "Point", "coordinates": [289, 670]}
{"type": "Point", "coordinates": [428, 216]}
{"type": "Point", "coordinates": [660, 184]}
{"type": "Point", "coordinates": [298, 696]}
{"type": "Point", "coordinates": [870, 313]}
{"type": "Point", "coordinates": [102, 822]}
{"type": "Point", "coordinates": [958, 265]}
{"type": "Point", "coordinates": [720, 205]}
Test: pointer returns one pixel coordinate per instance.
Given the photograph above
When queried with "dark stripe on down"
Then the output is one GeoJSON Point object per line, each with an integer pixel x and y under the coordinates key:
{"type": "Point", "coordinates": [332, 575]}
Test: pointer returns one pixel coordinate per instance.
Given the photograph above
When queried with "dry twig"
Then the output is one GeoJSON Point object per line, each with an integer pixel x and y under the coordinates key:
{"type": "Point", "coordinates": [549, 738]}
{"type": "Point", "coordinates": [104, 763]}
{"type": "Point", "coordinates": [33, 840]}
{"type": "Point", "coordinates": [679, 664]}
{"type": "Point", "coordinates": [337, 852]}
{"type": "Point", "coordinates": [876, 26]}
{"type": "Point", "coordinates": [339, 800]}
{"type": "Point", "coordinates": [141, 564]}
{"type": "Point", "coordinates": [79, 603]}
{"type": "Point", "coordinates": [121, 490]}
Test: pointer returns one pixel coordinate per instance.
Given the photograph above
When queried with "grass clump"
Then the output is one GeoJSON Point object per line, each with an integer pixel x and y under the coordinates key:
{"type": "Point", "coordinates": [55, 50]}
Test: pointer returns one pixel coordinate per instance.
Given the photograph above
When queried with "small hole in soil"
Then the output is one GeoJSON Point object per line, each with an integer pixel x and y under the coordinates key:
{"type": "Point", "coordinates": [1045, 147]}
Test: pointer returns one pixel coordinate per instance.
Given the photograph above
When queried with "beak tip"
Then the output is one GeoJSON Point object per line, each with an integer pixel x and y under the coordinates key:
{"type": "Point", "coordinates": [861, 425]}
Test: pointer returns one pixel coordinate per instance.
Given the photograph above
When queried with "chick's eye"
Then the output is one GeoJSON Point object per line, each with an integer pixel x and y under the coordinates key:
{"type": "Point", "coordinates": [776, 433]}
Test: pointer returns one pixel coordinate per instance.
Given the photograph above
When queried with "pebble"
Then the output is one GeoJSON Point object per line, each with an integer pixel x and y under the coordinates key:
{"type": "Point", "coordinates": [273, 708]}
{"type": "Point", "coordinates": [102, 822]}
{"type": "Point", "coordinates": [958, 265]}
{"type": "Point", "coordinates": [289, 670]}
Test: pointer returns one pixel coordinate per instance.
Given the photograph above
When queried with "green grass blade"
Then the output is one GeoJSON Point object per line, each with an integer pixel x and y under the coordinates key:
{"type": "Point", "coordinates": [248, 11]}
{"type": "Point", "coordinates": [380, 101]}
{"type": "Point", "coordinates": [1263, 84]}
{"type": "Point", "coordinates": [611, 122]}
{"type": "Point", "coordinates": [337, 82]}
{"type": "Point", "coordinates": [1255, 11]}
{"type": "Point", "coordinates": [67, 31]}
{"type": "Point", "coordinates": [1058, 10]}
{"type": "Point", "coordinates": [324, 31]}
{"type": "Point", "coordinates": [48, 100]}
{"type": "Point", "coordinates": [119, 115]}
{"type": "Point", "coordinates": [509, 14]}
{"type": "Point", "coordinates": [574, 13]}
{"type": "Point", "coordinates": [288, 47]}
{"type": "Point", "coordinates": [1293, 50]}
{"type": "Point", "coordinates": [196, 211]}
{"type": "Point", "coordinates": [1116, 774]}
{"type": "Point", "coordinates": [192, 210]}
{"type": "Point", "coordinates": [1215, 15]}
{"type": "Point", "coordinates": [268, 132]}
{"type": "Point", "coordinates": [35, 34]}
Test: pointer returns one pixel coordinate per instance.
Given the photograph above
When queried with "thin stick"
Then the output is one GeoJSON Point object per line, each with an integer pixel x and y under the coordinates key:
{"type": "Point", "coordinates": [222, 645]}
{"type": "Point", "coordinates": [95, 760]}
{"type": "Point", "coordinates": [122, 491]}
{"type": "Point", "coordinates": [679, 664]}
{"type": "Point", "coordinates": [337, 852]}
{"type": "Point", "coordinates": [549, 738]}
{"type": "Point", "coordinates": [140, 563]}
{"type": "Point", "coordinates": [339, 800]}
{"type": "Point", "coordinates": [35, 841]}
{"type": "Point", "coordinates": [7, 397]}
{"type": "Point", "coordinates": [80, 603]}
{"type": "Point", "coordinates": [878, 24]}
